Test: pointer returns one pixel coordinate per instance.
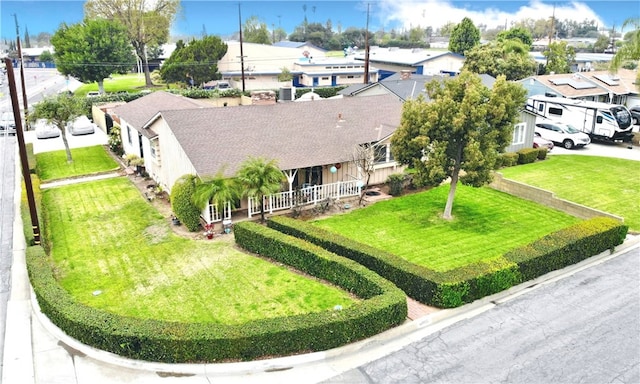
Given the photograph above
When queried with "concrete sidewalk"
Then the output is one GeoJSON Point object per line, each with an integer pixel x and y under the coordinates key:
{"type": "Point", "coordinates": [36, 351]}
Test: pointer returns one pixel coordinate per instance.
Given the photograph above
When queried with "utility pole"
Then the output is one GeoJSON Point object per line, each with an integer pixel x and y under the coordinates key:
{"type": "Point", "coordinates": [24, 89]}
{"type": "Point", "coordinates": [23, 153]}
{"type": "Point", "coordinates": [366, 50]}
{"type": "Point", "coordinates": [241, 52]}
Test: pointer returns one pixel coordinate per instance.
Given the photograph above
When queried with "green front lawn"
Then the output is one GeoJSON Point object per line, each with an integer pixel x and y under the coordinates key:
{"type": "Point", "coordinates": [132, 82]}
{"type": "Point", "coordinates": [114, 251]}
{"type": "Point", "coordinates": [608, 184]}
{"type": "Point", "coordinates": [88, 160]}
{"type": "Point", "coordinates": [486, 224]}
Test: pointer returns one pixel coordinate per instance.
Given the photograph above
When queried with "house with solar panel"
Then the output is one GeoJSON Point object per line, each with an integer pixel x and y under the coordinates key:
{"type": "Point", "coordinates": [601, 86]}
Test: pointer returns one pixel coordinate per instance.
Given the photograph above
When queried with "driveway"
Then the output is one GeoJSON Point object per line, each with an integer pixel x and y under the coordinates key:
{"type": "Point", "coordinates": [99, 137]}
{"type": "Point", "coordinates": [606, 149]}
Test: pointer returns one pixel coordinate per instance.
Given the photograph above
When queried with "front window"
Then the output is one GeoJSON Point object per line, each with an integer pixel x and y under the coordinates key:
{"type": "Point", "coordinates": [129, 135]}
{"type": "Point", "coordinates": [518, 133]}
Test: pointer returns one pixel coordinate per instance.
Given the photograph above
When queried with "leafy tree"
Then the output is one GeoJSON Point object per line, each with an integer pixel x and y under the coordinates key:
{"type": "Point", "coordinates": [255, 31]}
{"type": "Point", "coordinates": [59, 110]}
{"type": "Point", "coordinates": [258, 178]}
{"type": "Point", "coordinates": [463, 128]}
{"type": "Point", "coordinates": [519, 33]}
{"type": "Point", "coordinates": [447, 29]}
{"type": "Point", "coordinates": [601, 44]}
{"type": "Point", "coordinates": [507, 57]}
{"type": "Point", "coordinates": [197, 61]}
{"type": "Point", "coordinates": [559, 56]}
{"type": "Point", "coordinates": [147, 22]}
{"type": "Point", "coordinates": [46, 56]}
{"type": "Point", "coordinates": [218, 189]}
{"type": "Point", "coordinates": [93, 50]}
{"type": "Point", "coordinates": [630, 50]}
{"type": "Point", "coordinates": [464, 36]}
{"type": "Point", "coordinates": [182, 202]}
{"type": "Point", "coordinates": [285, 75]}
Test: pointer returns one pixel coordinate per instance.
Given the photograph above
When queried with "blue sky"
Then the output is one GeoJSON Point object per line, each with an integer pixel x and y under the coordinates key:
{"type": "Point", "coordinates": [221, 17]}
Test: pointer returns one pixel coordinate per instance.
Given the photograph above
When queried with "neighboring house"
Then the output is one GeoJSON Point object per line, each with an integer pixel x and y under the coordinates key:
{"type": "Point", "coordinates": [313, 142]}
{"type": "Point", "coordinates": [404, 85]}
{"type": "Point", "coordinates": [262, 65]}
{"type": "Point", "coordinates": [523, 132]}
{"type": "Point", "coordinates": [417, 60]}
{"type": "Point", "coordinates": [331, 71]}
{"type": "Point", "coordinates": [584, 61]}
{"type": "Point", "coordinates": [602, 86]}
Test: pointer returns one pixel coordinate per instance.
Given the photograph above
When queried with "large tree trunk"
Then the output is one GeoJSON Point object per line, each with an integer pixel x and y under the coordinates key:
{"type": "Point", "coordinates": [452, 193]}
{"type": "Point", "coordinates": [66, 144]}
{"type": "Point", "coordinates": [140, 51]}
{"type": "Point", "coordinates": [101, 87]}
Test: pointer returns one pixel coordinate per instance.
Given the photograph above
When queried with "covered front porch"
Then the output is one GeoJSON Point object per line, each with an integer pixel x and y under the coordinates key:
{"type": "Point", "coordinates": [299, 197]}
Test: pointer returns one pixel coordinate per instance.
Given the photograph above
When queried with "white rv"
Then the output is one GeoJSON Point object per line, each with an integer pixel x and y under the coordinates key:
{"type": "Point", "coordinates": [601, 121]}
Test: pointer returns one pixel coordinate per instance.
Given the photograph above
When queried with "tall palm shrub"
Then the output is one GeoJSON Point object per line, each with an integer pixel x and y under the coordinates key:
{"type": "Point", "coordinates": [259, 177]}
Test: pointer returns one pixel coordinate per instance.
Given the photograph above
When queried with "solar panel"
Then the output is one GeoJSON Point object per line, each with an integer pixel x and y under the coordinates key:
{"type": "Point", "coordinates": [573, 83]}
{"type": "Point", "coordinates": [607, 79]}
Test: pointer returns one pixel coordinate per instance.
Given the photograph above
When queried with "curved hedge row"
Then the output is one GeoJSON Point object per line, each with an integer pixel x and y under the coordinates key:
{"type": "Point", "coordinates": [173, 342]}
{"type": "Point", "coordinates": [464, 285]}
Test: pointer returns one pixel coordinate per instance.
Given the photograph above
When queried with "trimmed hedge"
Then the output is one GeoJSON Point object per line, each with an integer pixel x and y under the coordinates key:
{"type": "Point", "coordinates": [508, 159]}
{"type": "Point", "coordinates": [542, 153]}
{"type": "Point", "coordinates": [464, 285]}
{"type": "Point", "coordinates": [568, 246]}
{"type": "Point", "coordinates": [173, 342]}
{"type": "Point", "coordinates": [527, 155]}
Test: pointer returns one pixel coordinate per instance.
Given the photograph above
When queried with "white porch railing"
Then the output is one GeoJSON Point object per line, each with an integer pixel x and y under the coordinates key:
{"type": "Point", "coordinates": [306, 196]}
{"type": "Point", "coordinates": [211, 213]}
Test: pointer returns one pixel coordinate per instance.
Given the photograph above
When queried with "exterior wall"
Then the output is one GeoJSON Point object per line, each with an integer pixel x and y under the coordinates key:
{"type": "Point", "coordinates": [546, 198]}
{"type": "Point", "coordinates": [129, 136]}
{"type": "Point", "coordinates": [446, 63]}
{"type": "Point", "coordinates": [530, 121]}
{"type": "Point", "coordinates": [256, 81]}
{"type": "Point", "coordinates": [170, 162]}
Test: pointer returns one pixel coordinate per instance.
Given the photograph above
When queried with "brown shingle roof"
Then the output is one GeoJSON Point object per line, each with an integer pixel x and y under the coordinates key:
{"type": "Point", "coordinates": [138, 112]}
{"type": "Point", "coordinates": [297, 135]}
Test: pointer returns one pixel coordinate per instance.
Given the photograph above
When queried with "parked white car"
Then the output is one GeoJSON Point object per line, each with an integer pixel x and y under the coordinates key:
{"type": "Point", "coordinates": [81, 126]}
{"type": "Point", "coordinates": [562, 134]}
{"type": "Point", "coordinates": [7, 123]}
{"type": "Point", "coordinates": [46, 130]}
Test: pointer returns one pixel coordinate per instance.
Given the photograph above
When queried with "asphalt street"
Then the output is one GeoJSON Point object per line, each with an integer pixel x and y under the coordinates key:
{"type": "Point", "coordinates": [584, 328]}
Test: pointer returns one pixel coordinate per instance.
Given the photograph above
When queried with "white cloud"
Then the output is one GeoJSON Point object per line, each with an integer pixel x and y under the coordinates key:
{"type": "Point", "coordinates": [436, 13]}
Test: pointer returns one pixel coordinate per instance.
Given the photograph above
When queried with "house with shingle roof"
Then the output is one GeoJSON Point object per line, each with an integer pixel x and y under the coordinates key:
{"type": "Point", "coordinates": [601, 86]}
{"type": "Point", "coordinates": [314, 142]}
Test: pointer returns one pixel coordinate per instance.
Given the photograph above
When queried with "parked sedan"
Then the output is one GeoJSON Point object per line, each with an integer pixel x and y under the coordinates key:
{"type": "Point", "coordinates": [539, 142]}
{"type": "Point", "coordinates": [7, 123]}
{"type": "Point", "coordinates": [563, 134]}
{"type": "Point", "coordinates": [81, 126]}
{"type": "Point", "coordinates": [46, 130]}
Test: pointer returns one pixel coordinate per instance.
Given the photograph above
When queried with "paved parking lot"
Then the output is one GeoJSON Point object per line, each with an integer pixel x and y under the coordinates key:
{"type": "Point", "coordinates": [55, 144]}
